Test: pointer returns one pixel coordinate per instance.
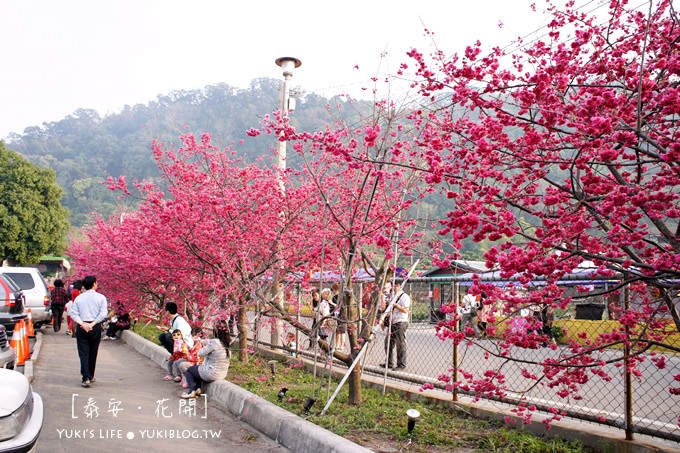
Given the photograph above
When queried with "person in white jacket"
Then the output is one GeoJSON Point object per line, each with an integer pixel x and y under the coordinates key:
{"type": "Point", "coordinates": [398, 326]}
{"type": "Point", "coordinates": [468, 313]}
{"type": "Point", "coordinates": [177, 323]}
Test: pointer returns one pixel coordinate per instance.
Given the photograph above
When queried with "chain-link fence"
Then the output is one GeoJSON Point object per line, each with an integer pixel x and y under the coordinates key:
{"type": "Point", "coordinates": [636, 400]}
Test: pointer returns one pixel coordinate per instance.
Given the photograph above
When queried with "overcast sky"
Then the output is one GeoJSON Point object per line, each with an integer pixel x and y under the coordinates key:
{"type": "Point", "coordinates": [59, 56]}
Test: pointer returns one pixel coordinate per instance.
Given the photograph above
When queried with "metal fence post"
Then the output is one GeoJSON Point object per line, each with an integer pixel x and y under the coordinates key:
{"type": "Point", "coordinates": [256, 334]}
{"type": "Point", "coordinates": [297, 331]}
{"type": "Point", "coordinates": [455, 291]}
{"type": "Point", "coordinates": [628, 376]}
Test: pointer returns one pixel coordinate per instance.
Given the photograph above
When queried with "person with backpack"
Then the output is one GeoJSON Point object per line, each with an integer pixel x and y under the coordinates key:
{"type": "Point", "coordinates": [468, 313]}
{"type": "Point", "coordinates": [401, 304]}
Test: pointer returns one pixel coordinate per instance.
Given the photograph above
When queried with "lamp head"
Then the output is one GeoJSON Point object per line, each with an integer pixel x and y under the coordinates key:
{"type": "Point", "coordinates": [288, 64]}
{"type": "Point", "coordinates": [412, 415]}
{"type": "Point", "coordinates": [308, 404]}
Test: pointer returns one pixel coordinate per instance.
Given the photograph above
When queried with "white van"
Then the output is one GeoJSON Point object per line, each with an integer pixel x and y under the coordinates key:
{"type": "Point", "coordinates": [31, 281]}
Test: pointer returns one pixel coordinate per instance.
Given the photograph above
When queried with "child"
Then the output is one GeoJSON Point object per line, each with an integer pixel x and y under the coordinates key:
{"type": "Point", "coordinates": [193, 359]}
{"type": "Point", "coordinates": [180, 352]}
{"type": "Point", "coordinates": [69, 321]}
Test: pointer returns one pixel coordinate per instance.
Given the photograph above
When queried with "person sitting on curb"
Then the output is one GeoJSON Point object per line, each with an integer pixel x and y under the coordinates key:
{"type": "Point", "coordinates": [180, 354]}
{"type": "Point", "coordinates": [117, 324]}
{"type": "Point", "coordinates": [192, 359]}
{"type": "Point", "coordinates": [216, 358]}
{"type": "Point", "coordinates": [177, 323]}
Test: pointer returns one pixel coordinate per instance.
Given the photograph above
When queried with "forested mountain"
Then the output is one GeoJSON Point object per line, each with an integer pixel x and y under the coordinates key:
{"type": "Point", "coordinates": [84, 148]}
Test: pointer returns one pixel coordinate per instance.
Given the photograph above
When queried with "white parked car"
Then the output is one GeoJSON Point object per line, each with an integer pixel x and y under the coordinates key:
{"type": "Point", "coordinates": [35, 289]}
{"type": "Point", "coordinates": [21, 413]}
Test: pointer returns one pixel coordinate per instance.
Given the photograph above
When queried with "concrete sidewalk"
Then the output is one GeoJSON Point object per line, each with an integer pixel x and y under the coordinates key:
{"type": "Point", "coordinates": [286, 428]}
{"type": "Point", "coordinates": [129, 408]}
{"type": "Point", "coordinates": [128, 376]}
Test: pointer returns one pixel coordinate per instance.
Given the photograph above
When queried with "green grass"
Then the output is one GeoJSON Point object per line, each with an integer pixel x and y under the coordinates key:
{"type": "Point", "coordinates": [148, 331]}
{"type": "Point", "coordinates": [383, 419]}
{"type": "Point", "coordinates": [381, 422]}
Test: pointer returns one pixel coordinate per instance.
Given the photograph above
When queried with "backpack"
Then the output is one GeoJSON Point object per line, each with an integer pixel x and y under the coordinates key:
{"type": "Point", "coordinates": [476, 305]}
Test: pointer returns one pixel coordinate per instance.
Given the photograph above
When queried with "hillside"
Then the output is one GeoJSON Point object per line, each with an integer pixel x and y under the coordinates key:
{"type": "Point", "coordinates": [84, 148]}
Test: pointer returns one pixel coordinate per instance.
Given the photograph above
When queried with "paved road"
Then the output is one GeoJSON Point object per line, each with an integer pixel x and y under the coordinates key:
{"type": "Point", "coordinates": [129, 408]}
{"type": "Point", "coordinates": [429, 357]}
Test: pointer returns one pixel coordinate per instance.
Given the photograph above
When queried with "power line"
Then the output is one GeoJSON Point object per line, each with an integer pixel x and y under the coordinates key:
{"type": "Point", "coordinates": [520, 45]}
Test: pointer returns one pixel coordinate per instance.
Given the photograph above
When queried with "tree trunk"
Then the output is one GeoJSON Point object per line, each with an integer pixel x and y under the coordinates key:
{"type": "Point", "coordinates": [353, 317]}
{"type": "Point", "coordinates": [354, 381]}
{"type": "Point", "coordinates": [277, 330]}
{"type": "Point", "coordinates": [243, 331]}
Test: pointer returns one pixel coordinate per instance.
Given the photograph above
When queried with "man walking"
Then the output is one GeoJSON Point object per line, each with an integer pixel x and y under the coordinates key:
{"type": "Point", "coordinates": [399, 324]}
{"type": "Point", "coordinates": [88, 311]}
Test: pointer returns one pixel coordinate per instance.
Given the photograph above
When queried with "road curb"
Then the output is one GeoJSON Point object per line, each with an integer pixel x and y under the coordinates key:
{"type": "Point", "coordinates": [37, 346]}
{"type": "Point", "coordinates": [28, 364]}
{"type": "Point", "coordinates": [285, 428]}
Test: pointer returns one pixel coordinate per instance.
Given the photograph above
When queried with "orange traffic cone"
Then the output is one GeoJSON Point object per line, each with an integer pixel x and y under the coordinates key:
{"type": "Point", "coordinates": [29, 326]}
{"type": "Point", "coordinates": [24, 339]}
{"type": "Point", "coordinates": [17, 344]}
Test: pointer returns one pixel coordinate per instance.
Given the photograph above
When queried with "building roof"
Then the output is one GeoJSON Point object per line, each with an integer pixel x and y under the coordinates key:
{"type": "Point", "coordinates": [457, 267]}
{"type": "Point", "coordinates": [60, 260]}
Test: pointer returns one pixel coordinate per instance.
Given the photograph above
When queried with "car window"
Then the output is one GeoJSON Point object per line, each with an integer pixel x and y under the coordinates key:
{"type": "Point", "coordinates": [13, 286]}
{"type": "Point", "coordinates": [23, 279]}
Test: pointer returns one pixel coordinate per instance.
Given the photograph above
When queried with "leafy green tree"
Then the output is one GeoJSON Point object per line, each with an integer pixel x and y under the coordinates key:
{"type": "Point", "coordinates": [32, 221]}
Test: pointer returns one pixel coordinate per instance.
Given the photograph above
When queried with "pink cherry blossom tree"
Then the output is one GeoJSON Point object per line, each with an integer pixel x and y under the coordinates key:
{"type": "Point", "coordinates": [564, 151]}
{"type": "Point", "coordinates": [217, 237]}
{"type": "Point", "coordinates": [225, 234]}
{"type": "Point", "coordinates": [363, 210]}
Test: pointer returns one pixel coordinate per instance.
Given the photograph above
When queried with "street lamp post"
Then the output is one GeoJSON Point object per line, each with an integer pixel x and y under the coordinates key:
{"type": "Point", "coordinates": [287, 64]}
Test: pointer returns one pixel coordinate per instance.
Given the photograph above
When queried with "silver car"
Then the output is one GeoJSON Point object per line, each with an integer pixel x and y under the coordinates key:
{"type": "Point", "coordinates": [21, 413]}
